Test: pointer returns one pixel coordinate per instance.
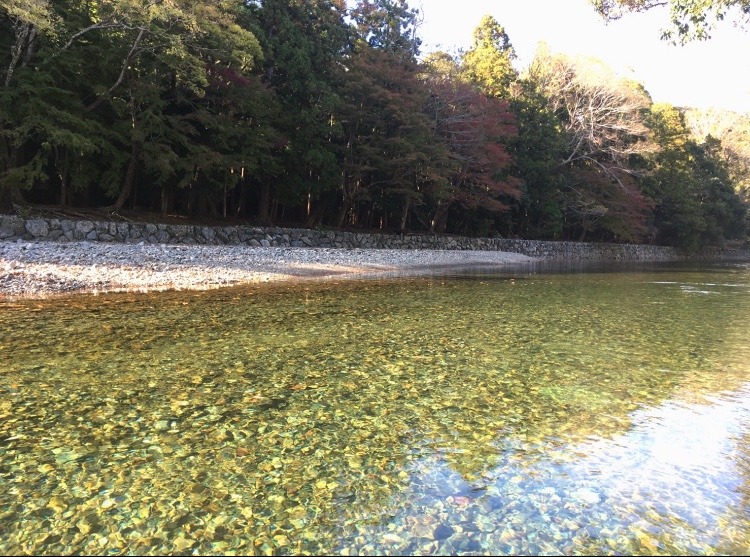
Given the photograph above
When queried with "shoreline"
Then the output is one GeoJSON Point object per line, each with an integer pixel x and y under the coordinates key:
{"type": "Point", "coordinates": [39, 270]}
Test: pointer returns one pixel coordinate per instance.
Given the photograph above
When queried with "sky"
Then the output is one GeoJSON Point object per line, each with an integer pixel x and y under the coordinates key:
{"type": "Point", "coordinates": [705, 74]}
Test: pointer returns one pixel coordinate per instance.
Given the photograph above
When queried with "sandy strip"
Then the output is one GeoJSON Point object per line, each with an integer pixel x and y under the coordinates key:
{"type": "Point", "coordinates": [41, 269]}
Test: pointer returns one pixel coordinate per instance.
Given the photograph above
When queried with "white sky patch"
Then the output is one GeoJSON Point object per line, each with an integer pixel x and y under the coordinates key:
{"type": "Point", "coordinates": [713, 73]}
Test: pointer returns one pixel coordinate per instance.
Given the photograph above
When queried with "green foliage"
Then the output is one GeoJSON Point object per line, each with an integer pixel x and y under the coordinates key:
{"type": "Point", "coordinates": [148, 66]}
{"type": "Point", "coordinates": [304, 44]}
{"type": "Point", "coordinates": [489, 62]}
{"type": "Point", "coordinates": [732, 129]}
{"type": "Point", "coordinates": [689, 19]}
{"type": "Point", "coordinates": [320, 113]}
{"type": "Point", "coordinates": [695, 204]}
{"type": "Point", "coordinates": [388, 25]}
{"type": "Point", "coordinates": [46, 133]}
{"type": "Point", "coordinates": [537, 151]}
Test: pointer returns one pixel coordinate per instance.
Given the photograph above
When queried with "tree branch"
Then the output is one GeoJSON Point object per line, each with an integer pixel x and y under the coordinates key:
{"type": "Point", "coordinates": [22, 31]}
{"type": "Point", "coordinates": [125, 64]}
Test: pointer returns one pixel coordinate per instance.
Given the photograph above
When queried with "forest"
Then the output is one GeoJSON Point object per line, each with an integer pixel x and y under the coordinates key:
{"type": "Point", "coordinates": [327, 114]}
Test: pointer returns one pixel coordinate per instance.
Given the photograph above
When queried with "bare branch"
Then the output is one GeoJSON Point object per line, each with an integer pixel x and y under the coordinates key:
{"type": "Point", "coordinates": [94, 27]}
{"type": "Point", "coordinates": [23, 30]}
{"type": "Point", "coordinates": [125, 64]}
{"type": "Point", "coordinates": [601, 115]}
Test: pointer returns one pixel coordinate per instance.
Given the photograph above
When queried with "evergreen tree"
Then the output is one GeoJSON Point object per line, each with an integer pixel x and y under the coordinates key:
{"type": "Point", "coordinates": [304, 43]}
{"type": "Point", "coordinates": [489, 62]}
{"type": "Point", "coordinates": [537, 151]}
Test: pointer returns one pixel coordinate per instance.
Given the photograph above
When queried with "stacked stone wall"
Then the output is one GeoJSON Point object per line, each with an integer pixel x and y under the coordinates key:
{"type": "Point", "coordinates": [15, 228]}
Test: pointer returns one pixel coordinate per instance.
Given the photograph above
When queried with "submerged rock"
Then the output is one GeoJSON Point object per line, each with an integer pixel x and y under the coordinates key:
{"type": "Point", "coordinates": [443, 532]}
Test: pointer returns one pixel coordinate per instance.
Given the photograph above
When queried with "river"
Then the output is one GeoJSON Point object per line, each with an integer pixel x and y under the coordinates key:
{"type": "Point", "coordinates": [593, 410]}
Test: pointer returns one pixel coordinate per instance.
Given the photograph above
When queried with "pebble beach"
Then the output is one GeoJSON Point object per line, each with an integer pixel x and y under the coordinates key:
{"type": "Point", "coordinates": [41, 269]}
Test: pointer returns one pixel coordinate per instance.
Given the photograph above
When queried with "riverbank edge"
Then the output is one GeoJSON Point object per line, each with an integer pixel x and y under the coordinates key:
{"type": "Point", "coordinates": [42, 257]}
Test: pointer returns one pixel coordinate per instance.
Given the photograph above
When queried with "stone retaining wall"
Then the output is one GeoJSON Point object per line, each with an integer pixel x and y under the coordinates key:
{"type": "Point", "coordinates": [14, 228]}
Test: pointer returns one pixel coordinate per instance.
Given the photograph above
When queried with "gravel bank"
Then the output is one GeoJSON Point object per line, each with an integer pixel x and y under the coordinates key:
{"type": "Point", "coordinates": [40, 269]}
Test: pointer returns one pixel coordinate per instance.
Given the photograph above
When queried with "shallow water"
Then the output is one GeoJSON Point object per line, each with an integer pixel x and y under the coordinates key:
{"type": "Point", "coordinates": [535, 413]}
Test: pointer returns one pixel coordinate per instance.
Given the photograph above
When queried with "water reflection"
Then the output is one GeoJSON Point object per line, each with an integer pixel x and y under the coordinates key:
{"type": "Point", "coordinates": [550, 413]}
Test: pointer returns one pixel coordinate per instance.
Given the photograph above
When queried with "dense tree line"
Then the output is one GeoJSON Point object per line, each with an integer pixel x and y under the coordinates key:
{"type": "Point", "coordinates": [326, 113]}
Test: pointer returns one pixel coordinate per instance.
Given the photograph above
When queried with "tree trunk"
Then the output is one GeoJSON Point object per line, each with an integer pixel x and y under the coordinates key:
{"type": "Point", "coordinates": [316, 216]}
{"type": "Point", "coordinates": [10, 197]}
{"type": "Point", "coordinates": [367, 219]}
{"type": "Point", "coordinates": [213, 212]}
{"type": "Point", "coordinates": [264, 204]}
{"type": "Point", "coordinates": [164, 201]}
{"type": "Point", "coordinates": [127, 184]}
{"type": "Point", "coordinates": [61, 161]}
{"type": "Point", "coordinates": [405, 214]}
{"type": "Point", "coordinates": [63, 190]}
{"type": "Point", "coordinates": [241, 201]}
{"type": "Point", "coordinates": [440, 219]}
{"type": "Point", "coordinates": [224, 201]}
{"type": "Point", "coordinates": [343, 211]}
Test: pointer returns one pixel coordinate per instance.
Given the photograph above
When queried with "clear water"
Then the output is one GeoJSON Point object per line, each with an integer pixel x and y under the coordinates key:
{"type": "Point", "coordinates": [522, 413]}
